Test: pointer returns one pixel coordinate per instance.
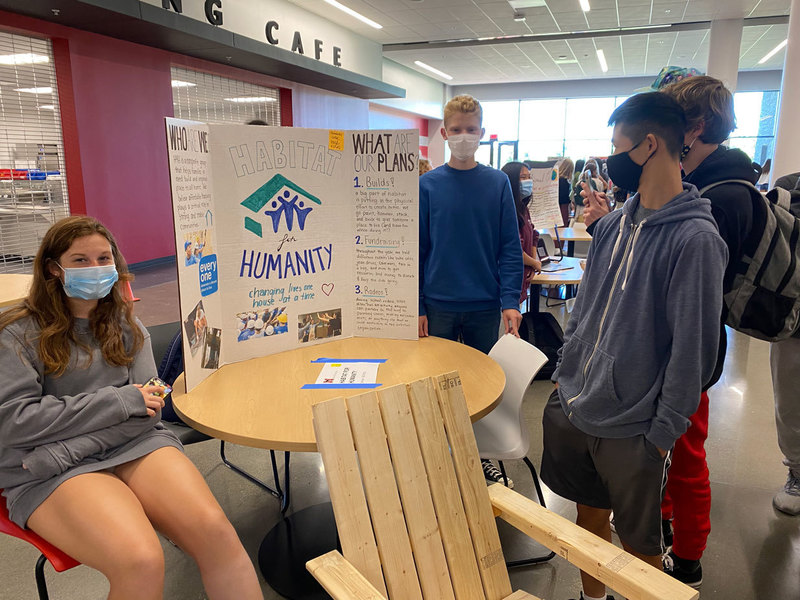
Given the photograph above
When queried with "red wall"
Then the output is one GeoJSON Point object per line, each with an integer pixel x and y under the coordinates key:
{"type": "Point", "coordinates": [383, 117]}
{"type": "Point", "coordinates": [114, 96]}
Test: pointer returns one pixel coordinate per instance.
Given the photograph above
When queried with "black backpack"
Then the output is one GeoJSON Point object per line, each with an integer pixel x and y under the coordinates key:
{"type": "Point", "coordinates": [764, 301]}
{"type": "Point", "coordinates": [542, 330]}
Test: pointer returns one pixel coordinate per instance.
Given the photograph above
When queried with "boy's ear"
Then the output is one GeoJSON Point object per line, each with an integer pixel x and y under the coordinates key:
{"type": "Point", "coordinates": [483, 132]}
{"type": "Point", "coordinates": [444, 133]}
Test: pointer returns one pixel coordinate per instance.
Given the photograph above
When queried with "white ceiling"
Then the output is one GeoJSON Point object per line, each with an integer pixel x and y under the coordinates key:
{"type": "Point", "coordinates": [408, 21]}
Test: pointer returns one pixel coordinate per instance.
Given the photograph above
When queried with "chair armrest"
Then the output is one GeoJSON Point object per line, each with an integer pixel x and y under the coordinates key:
{"type": "Point", "coordinates": [341, 579]}
{"type": "Point", "coordinates": [619, 570]}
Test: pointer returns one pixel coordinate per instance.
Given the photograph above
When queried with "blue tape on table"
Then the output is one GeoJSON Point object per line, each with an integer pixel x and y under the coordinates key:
{"type": "Point", "coordinates": [340, 386]}
{"type": "Point", "coordinates": [349, 360]}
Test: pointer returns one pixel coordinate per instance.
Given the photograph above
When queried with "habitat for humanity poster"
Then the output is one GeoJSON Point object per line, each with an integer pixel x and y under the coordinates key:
{"type": "Point", "coordinates": [290, 236]}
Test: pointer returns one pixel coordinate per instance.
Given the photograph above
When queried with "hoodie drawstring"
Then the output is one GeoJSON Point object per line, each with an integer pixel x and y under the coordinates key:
{"type": "Point", "coordinates": [633, 248]}
{"type": "Point", "coordinates": [618, 240]}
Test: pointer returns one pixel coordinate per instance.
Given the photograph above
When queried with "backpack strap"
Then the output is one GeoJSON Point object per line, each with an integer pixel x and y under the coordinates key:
{"type": "Point", "coordinates": [777, 196]}
{"type": "Point", "coordinates": [743, 182]}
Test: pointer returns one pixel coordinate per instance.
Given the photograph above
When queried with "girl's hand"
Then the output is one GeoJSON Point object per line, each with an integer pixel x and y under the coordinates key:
{"type": "Point", "coordinates": [152, 401]}
{"type": "Point", "coordinates": [537, 266]}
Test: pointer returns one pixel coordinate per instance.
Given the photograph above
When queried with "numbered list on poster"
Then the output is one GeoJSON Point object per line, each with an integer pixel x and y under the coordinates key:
{"type": "Point", "coordinates": [386, 231]}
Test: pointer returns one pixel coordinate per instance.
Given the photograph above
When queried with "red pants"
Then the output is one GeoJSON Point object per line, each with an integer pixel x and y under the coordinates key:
{"type": "Point", "coordinates": [687, 499]}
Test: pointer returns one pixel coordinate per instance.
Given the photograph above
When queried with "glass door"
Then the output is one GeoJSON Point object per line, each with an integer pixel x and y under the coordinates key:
{"type": "Point", "coordinates": [506, 152]}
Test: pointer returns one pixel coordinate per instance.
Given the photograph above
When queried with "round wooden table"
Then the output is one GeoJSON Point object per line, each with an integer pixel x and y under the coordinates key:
{"type": "Point", "coordinates": [13, 287]}
{"type": "Point", "coordinates": [258, 402]}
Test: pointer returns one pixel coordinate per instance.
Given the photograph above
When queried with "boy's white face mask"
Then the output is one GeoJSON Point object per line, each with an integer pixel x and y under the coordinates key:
{"type": "Point", "coordinates": [464, 145]}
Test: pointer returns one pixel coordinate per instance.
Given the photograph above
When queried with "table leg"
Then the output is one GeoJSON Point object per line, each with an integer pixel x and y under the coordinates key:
{"type": "Point", "coordinates": [281, 494]}
{"type": "Point", "coordinates": [287, 547]}
{"type": "Point", "coordinates": [571, 248]}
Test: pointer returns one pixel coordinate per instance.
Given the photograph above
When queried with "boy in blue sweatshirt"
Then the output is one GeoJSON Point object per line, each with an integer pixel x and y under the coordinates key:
{"type": "Point", "coordinates": [470, 258]}
{"type": "Point", "coordinates": [642, 339]}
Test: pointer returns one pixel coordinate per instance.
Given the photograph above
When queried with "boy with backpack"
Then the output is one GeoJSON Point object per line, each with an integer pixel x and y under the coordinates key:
{"type": "Point", "coordinates": [710, 117]}
{"type": "Point", "coordinates": [642, 339]}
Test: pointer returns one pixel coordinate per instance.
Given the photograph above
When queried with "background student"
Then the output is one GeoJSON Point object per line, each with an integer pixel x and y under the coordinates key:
{"type": "Point", "coordinates": [565, 170]}
{"type": "Point", "coordinates": [84, 459]}
{"type": "Point", "coordinates": [519, 176]}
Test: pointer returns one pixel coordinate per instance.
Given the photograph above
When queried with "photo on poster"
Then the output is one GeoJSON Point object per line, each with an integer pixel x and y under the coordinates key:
{"type": "Point", "coordinates": [261, 323]}
{"type": "Point", "coordinates": [319, 325]}
{"type": "Point", "coordinates": [211, 348]}
{"type": "Point", "coordinates": [196, 244]}
{"type": "Point", "coordinates": [195, 326]}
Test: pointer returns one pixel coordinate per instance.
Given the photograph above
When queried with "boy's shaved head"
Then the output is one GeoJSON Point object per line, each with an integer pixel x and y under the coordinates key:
{"type": "Point", "coordinates": [463, 104]}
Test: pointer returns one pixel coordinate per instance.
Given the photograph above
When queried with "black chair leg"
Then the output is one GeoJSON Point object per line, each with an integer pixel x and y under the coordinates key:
{"type": "Point", "coordinates": [281, 494]}
{"type": "Point", "coordinates": [41, 583]}
{"type": "Point", "coordinates": [536, 559]}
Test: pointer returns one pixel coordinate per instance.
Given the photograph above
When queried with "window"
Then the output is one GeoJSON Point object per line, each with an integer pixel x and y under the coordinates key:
{"type": "Point", "coordinates": [755, 124]}
{"type": "Point", "coordinates": [199, 96]}
{"type": "Point", "coordinates": [577, 127]}
{"type": "Point", "coordinates": [33, 190]}
{"type": "Point", "coordinates": [501, 119]}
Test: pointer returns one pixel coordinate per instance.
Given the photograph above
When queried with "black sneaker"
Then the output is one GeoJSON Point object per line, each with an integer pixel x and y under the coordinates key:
{"type": "Point", "coordinates": [608, 597]}
{"type": "Point", "coordinates": [689, 572]}
{"type": "Point", "coordinates": [493, 474]}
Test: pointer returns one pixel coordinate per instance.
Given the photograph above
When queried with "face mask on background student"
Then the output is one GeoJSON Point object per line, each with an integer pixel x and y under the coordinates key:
{"type": "Point", "coordinates": [623, 171]}
{"type": "Point", "coordinates": [464, 145]}
{"type": "Point", "coordinates": [89, 283]}
{"type": "Point", "coordinates": [526, 187]}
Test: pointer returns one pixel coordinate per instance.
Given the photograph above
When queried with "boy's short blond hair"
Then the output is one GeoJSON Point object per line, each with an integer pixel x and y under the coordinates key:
{"type": "Point", "coordinates": [463, 104]}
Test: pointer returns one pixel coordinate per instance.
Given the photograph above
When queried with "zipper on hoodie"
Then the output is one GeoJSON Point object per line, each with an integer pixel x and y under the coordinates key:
{"type": "Point", "coordinates": [605, 311]}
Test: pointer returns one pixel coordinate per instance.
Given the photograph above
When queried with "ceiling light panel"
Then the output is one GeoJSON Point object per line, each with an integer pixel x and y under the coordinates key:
{"type": "Point", "coordinates": [354, 14]}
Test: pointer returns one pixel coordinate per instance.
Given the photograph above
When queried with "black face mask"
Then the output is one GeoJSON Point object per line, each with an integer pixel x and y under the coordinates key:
{"type": "Point", "coordinates": [623, 171]}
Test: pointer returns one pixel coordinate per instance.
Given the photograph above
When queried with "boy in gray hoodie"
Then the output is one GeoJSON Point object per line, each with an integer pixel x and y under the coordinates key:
{"type": "Point", "coordinates": [642, 339]}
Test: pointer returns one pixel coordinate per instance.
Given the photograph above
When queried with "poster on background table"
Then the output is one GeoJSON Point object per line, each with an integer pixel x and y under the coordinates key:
{"type": "Point", "coordinates": [291, 237]}
{"type": "Point", "coordinates": [543, 207]}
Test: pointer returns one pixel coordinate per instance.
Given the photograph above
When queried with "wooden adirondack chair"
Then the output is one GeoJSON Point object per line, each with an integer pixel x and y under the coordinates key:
{"type": "Point", "coordinates": [416, 519]}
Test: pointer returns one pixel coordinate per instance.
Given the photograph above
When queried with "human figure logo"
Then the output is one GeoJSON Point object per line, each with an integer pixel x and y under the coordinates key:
{"type": "Point", "coordinates": [287, 201]}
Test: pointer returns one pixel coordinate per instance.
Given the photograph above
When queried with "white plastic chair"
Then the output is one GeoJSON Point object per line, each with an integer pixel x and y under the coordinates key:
{"type": "Point", "coordinates": [503, 434]}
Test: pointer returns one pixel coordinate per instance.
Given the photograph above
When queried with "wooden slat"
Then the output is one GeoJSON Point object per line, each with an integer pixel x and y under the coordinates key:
{"type": "Point", "coordinates": [520, 595]}
{"type": "Point", "coordinates": [412, 481]}
{"type": "Point", "coordinates": [386, 511]}
{"type": "Point", "coordinates": [341, 579]}
{"type": "Point", "coordinates": [482, 525]}
{"type": "Point", "coordinates": [631, 577]}
{"type": "Point", "coordinates": [446, 495]}
{"type": "Point", "coordinates": [335, 443]}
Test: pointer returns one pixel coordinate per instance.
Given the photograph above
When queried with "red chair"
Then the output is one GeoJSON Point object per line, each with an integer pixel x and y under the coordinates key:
{"type": "Point", "coordinates": [60, 561]}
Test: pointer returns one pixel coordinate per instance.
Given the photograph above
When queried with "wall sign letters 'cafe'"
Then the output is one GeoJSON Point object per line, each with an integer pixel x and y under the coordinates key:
{"type": "Point", "coordinates": [213, 11]}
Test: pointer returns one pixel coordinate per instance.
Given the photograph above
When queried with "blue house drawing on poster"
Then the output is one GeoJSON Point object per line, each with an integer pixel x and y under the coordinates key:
{"type": "Point", "coordinates": [285, 199]}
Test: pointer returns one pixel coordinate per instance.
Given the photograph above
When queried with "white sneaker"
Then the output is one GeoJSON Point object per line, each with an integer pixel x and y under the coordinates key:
{"type": "Point", "coordinates": [788, 499]}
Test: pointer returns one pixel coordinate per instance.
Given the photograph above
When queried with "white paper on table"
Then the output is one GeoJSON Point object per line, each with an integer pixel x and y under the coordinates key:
{"type": "Point", "coordinates": [348, 373]}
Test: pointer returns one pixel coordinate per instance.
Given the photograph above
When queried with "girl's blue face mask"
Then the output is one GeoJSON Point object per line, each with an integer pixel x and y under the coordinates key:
{"type": "Point", "coordinates": [89, 283]}
{"type": "Point", "coordinates": [526, 187]}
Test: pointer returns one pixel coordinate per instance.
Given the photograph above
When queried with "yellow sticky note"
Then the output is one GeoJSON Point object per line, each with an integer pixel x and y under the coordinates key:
{"type": "Point", "coordinates": [336, 140]}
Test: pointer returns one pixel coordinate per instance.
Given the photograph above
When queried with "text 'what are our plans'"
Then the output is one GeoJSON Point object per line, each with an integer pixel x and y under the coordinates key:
{"type": "Point", "coordinates": [384, 152]}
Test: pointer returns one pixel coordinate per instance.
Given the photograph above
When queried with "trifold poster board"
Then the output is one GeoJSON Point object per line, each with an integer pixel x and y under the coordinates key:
{"type": "Point", "coordinates": [543, 206]}
{"type": "Point", "coordinates": [288, 237]}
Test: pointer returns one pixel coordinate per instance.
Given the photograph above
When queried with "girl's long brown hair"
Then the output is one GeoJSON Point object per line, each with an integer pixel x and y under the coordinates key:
{"type": "Point", "coordinates": [47, 303]}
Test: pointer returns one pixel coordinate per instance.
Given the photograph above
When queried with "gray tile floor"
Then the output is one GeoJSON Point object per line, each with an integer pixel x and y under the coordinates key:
{"type": "Point", "coordinates": [753, 552]}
